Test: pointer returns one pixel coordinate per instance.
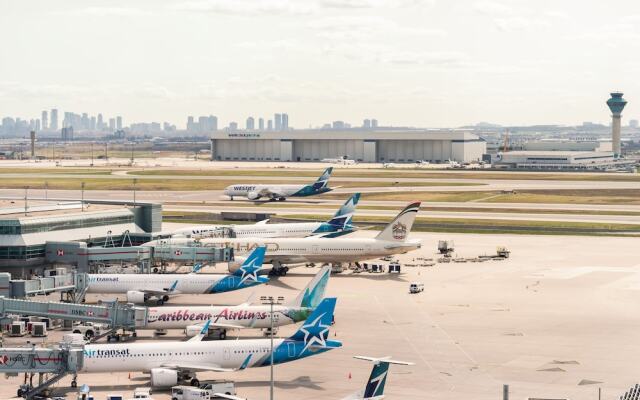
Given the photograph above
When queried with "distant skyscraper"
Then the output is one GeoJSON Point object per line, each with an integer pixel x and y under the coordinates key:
{"type": "Point", "coordinates": [337, 125]}
{"type": "Point", "coordinates": [366, 124]}
{"type": "Point", "coordinates": [251, 124]}
{"type": "Point", "coordinates": [190, 124]}
{"type": "Point", "coordinates": [37, 125]}
{"type": "Point", "coordinates": [233, 126]}
{"type": "Point", "coordinates": [112, 124]}
{"type": "Point", "coordinates": [278, 120]}
{"type": "Point", "coordinates": [261, 124]}
{"type": "Point", "coordinates": [93, 123]}
{"type": "Point", "coordinates": [45, 120]}
{"type": "Point", "coordinates": [270, 125]}
{"type": "Point", "coordinates": [213, 123]}
{"type": "Point", "coordinates": [285, 122]}
{"type": "Point", "coordinates": [67, 133]}
{"type": "Point", "coordinates": [100, 123]}
{"type": "Point", "coordinates": [203, 124]}
{"type": "Point", "coordinates": [374, 123]}
{"type": "Point", "coordinates": [54, 120]}
{"type": "Point", "coordinates": [633, 123]}
{"type": "Point", "coordinates": [118, 122]}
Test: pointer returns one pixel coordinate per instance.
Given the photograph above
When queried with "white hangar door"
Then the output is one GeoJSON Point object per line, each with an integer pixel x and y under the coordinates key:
{"type": "Point", "coordinates": [316, 150]}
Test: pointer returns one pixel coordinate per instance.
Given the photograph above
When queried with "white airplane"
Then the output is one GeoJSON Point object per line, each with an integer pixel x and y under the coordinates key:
{"type": "Point", "coordinates": [173, 362]}
{"type": "Point", "coordinates": [420, 163]}
{"type": "Point", "coordinates": [373, 390]}
{"type": "Point", "coordinates": [339, 225]}
{"type": "Point", "coordinates": [342, 160]}
{"type": "Point", "coordinates": [283, 252]}
{"type": "Point", "coordinates": [141, 287]}
{"type": "Point", "coordinates": [192, 318]}
{"type": "Point", "coordinates": [280, 192]}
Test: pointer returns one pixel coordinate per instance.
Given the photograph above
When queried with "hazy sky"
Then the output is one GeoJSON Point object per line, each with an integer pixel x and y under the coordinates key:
{"type": "Point", "coordinates": [434, 63]}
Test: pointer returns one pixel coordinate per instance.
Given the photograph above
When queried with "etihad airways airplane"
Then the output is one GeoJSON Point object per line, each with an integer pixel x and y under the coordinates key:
{"type": "Point", "coordinates": [283, 252]}
{"type": "Point", "coordinates": [271, 192]}
{"type": "Point", "coordinates": [141, 287]}
{"type": "Point", "coordinates": [339, 225]}
{"type": "Point", "coordinates": [247, 315]}
{"type": "Point", "coordinates": [173, 362]}
{"type": "Point", "coordinates": [373, 390]}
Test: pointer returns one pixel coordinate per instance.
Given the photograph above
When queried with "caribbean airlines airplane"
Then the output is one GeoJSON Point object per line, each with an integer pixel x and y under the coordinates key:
{"type": "Point", "coordinates": [280, 192]}
{"type": "Point", "coordinates": [171, 362]}
{"type": "Point", "coordinates": [393, 239]}
{"type": "Point", "coordinates": [141, 287]}
{"type": "Point", "coordinates": [339, 225]}
{"type": "Point", "coordinates": [193, 318]}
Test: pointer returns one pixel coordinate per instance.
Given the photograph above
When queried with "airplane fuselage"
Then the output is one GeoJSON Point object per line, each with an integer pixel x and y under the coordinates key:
{"type": "Point", "coordinates": [301, 229]}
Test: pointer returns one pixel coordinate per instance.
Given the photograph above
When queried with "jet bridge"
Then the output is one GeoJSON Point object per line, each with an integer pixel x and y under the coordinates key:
{"type": "Point", "coordinates": [51, 364]}
{"type": "Point", "coordinates": [115, 315]}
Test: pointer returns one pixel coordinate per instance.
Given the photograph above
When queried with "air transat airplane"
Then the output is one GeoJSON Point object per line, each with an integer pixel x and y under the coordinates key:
{"type": "Point", "coordinates": [373, 390]}
{"type": "Point", "coordinates": [339, 225]}
{"type": "Point", "coordinates": [222, 318]}
{"type": "Point", "coordinates": [141, 287]}
{"type": "Point", "coordinates": [171, 362]}
{"type": "Point", "coordinates": [280, 192]}
{"type": "Point", "coordinates": [283, 252]}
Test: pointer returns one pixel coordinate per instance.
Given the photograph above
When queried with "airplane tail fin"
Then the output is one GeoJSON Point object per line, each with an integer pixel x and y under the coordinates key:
{"type": "Point", "coordinates": [253, 262]}
{"type": "Point", "coordinates": [378, 378]}
{"type": "Point", "coordinates": [343, 217]}
{"type": "Point", "coordinates": [323, 181]}
{"type": "Point", "coordinates": [315, 330]}
{"type": "Point", "coordinates": [313, 293]}
{"type": "Point", "coordinates": [398, 229]}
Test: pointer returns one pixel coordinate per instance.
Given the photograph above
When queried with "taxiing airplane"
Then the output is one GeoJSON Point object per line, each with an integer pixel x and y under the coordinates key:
{"type": "Point", "coordinates": [193, 318]}
{"type": "Point", "coordinates": [339, 225]}
{"type": "Point", "coordinates": [283, 252]}
{"type": "Point", "coordinates": [373, 390]}
{"type": "Point", "coordinates": [173, 362]}
{"type": "Point", "coordinates": [280, 192]}
{"type": "Point", "coordinates": [141, 287]}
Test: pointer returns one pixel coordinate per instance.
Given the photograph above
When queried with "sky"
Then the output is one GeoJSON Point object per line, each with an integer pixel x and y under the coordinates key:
{"type": "Point", "coordinates": [423, 63]}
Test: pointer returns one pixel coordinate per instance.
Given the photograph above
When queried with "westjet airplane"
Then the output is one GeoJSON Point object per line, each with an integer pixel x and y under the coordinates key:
{"type": "Point", "coordinates": [173, 362]}
{"type": "Point", "coordinates": [283, 252]}
{"type": "Point", "coordinates": [141, 287]}
{"type": "Point", "coordinates": [221, 318]}
{"type": "Point", "coordinates": [373, 390]}
{"type": "Point", "coordinates": [339, 225]}
{"type": "Point", "coordinates": [280, 192]}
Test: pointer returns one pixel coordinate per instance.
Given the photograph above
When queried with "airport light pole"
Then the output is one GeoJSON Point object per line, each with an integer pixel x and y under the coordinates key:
{"type": "Point", "coordinates": [135, 180]}
{"type": "Point", "coordinates": [46, 186]}
{"type": "Point", "coordinates": [271, 301]}
{"type": "Point", "coordinates": [82, 195]}
{"type": "Point", "coordinates": [26, 199]}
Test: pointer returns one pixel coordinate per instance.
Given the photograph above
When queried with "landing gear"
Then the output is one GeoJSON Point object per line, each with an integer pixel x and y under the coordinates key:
{"type": "Point", "coordinates": [279, 271]}
{"type": "Point", "coordinates": [195, 382]}
{"type": "Point", "coordinates": [165, 298]}
{"type": "Point", "coordinates": [282, 199]}
{"type": "Point", "coordinates": [231, 197]}
{"type": "Point", "coordinates": [74, 382]}
{"type": "Point", "coordinates": [160, 302]}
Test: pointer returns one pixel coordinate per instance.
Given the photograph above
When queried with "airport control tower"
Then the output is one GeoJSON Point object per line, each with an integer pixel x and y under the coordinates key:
{"type": "Point", "coordinates": [616, 104]}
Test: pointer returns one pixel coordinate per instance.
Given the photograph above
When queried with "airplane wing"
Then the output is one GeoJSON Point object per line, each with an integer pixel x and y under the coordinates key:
{"type": "Point", "coordinates": [164, 291]}
{"type": "Point", "coordinates": [197, 367]}
{"type": "Point", "coordinates": [271, 193]}
{"type": "Point", "coordinates": [226, 326]}
{"type": "Point", "coordinates": [228, 396]}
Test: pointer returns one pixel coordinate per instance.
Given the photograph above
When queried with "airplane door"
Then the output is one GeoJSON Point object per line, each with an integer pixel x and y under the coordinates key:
{"type": "Point", "coordinates": [291, 349]}
{"type": "Point", "coordinates": [227, 354]}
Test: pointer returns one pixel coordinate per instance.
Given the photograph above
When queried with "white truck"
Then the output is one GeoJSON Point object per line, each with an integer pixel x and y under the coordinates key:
{"type": "Point", "coordinates": [416, 287]}
{"type": "Point", "coordinates": [205, 391]}
{"type": "Point", "coordinates": [88, 330]}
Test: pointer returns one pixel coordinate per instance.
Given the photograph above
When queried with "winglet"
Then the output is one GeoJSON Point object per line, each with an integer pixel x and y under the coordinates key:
{"type": "Point", "coordinates": [197, 268]}
{"type": "Point", "coordinates": [173, 286]}
{"type": "Point", "coordinates": [203, 332]}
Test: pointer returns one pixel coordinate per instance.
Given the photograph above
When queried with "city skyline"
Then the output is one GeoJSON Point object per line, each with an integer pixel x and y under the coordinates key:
{"type": "Point", "coordinates": [409, 62]}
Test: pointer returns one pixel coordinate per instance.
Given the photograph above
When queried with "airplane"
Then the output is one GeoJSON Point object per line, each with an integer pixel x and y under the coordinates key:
{"type": "Point", "coordinates": [192, 318]}
{"type": "Point", "coordinates": [344, 160]}
{"type": "Point", "coordinates": [280, 192]}
{"type": "Point", "coordinates": [283, 252]}
{"type": "Point", "coordinates": [170, 362]}
{"type": "Point", "coordinates": [139, 288]}
{"type": "Point", "coordinates": [339, 224]}
{"type": "Point", "coordinates": [373, 390]}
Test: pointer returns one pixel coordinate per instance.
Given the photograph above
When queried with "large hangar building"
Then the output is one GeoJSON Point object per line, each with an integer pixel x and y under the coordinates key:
{"type": "Point", "coordinates": [364, 146]}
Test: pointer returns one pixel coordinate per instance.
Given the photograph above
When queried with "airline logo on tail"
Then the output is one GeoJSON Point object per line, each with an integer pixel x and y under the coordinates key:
{"type": "Point", "coordinates": [315, 333]}
{"type": "Point", "coordinates": [249, 269]}
{"type": "Point", "coordinates": [399, 231]}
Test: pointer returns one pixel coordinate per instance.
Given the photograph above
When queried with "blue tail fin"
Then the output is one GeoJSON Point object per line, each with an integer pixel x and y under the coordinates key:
{"type": "Point", "coordinates": [250, 267]}
{"type": "Point", "coordinates": [323, 180]}
{"type": "Point", "coordinates": [315, 329]}
{"type": "Point", "coordinates": [311, 295]}
{"type": "Point", "coordinates": [344, 215]}
{"type": "Point", "coordinates": [377, 380]}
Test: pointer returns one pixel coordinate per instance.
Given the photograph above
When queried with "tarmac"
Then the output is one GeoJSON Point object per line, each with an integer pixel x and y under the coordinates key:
{"type": "Point", "coordinates": [557, 320]}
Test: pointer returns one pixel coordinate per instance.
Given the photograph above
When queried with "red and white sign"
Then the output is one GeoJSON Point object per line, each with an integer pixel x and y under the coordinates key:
{"type": "Point", "coordinates": [59, 252]}
{"type": "Point", "coordinates": [178, 252]}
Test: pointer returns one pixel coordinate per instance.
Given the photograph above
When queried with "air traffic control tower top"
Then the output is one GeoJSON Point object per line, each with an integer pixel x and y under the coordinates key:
{"type": "Point", "coordinates": [616, 103]}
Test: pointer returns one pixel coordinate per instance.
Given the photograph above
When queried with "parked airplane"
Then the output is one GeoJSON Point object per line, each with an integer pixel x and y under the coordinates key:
{"type": "Point", "coordinates": [340, 224]}
{"type": "Point", "coordinates": [283, 252]}
{"type": "Point", "coordinates": [344, 160]}
{"type": "Point", "coordinates": [373, 390]}
{"type": "Point", "coordinates": [171, 362]}
{"type": "Point", "coordinates": [222, 318]}
{"type": "Point", "coordinates": [141, 287]}
{"type": "Point", "coordinates": [280, 192]}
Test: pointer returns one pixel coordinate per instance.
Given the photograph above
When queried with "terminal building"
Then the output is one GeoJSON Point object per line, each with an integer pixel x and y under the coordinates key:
{"type": "Point", "coordinates": [361, 145]}
{"type": "Point", "coordinates": [581, 160]}
{"type": "Point", "coordinates": [52, 230]}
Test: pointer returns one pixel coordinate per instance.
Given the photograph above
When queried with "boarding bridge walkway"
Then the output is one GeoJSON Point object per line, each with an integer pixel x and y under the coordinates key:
{"type": "Point", "coordinates": [117, 316]}
{"type": "Point", "coordinates": [52, 363]}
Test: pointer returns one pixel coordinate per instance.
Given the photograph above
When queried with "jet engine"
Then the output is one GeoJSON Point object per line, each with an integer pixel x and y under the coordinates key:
{"type": "Point", "coordinates": [236, 263]}
{"type": "Point", "coordinates": [192, 330]}
{"type": "Point", "coordinates": [163, 377]}
{"type": "Point", "coordinates": [134, 296]}
{"type": "Point", "coordinates": [253, 195]}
